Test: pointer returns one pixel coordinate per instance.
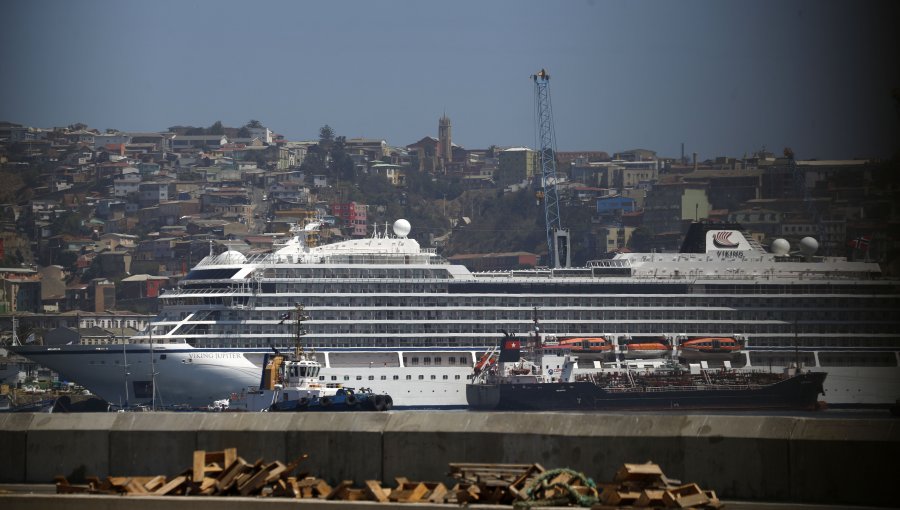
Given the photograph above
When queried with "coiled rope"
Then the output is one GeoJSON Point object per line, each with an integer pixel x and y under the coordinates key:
{"type": "Point", "coordinates": [571, 497]}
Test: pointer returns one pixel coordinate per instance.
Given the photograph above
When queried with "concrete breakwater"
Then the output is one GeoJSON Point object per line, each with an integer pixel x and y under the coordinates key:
{"type": "Point", "coordinates": [761, 458]}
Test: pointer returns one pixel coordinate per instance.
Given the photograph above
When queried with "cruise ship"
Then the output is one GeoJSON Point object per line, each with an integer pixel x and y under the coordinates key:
{"type": "Point", "coordinates": [386, 314]}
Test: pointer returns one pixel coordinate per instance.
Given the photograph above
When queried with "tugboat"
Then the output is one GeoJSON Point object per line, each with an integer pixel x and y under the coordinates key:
{"type": "Point", "coordinates": [291, 383]}
{"type": "Point", "coordinates": [517, 383]}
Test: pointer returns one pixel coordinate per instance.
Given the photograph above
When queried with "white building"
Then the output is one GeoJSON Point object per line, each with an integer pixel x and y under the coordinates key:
{"type": "Point", "coordinates": [126, 185]}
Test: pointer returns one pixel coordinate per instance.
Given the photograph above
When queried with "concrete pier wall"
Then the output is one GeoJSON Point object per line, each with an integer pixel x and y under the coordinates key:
{"type": "Point", "coordinates": [815, 460]}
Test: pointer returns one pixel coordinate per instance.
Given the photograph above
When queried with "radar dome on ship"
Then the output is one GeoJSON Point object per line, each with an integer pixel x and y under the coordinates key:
{"type": "Point", "coordinates": [233, 257]}
{"type": "Point", "coordinates": [780, 247]}
{"type": "Point", "coordinates": [402, 228]}
{"type": "Point", "coordinates": [808, 246]}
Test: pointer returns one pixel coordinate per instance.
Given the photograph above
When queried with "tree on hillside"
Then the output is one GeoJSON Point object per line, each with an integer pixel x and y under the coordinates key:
{"type": "Point", "coordinates": [326, 137]}
{"type": "Point", "coordinates": [254, 124]}
{"type": "Point", "coordinates": [216, 129]}
{"type": "Point", "coordinates": [243, 132]}
{"type": "Point", "coordinates": [341, 163]}
{"type": "Point", "coordinates": [314, 163]}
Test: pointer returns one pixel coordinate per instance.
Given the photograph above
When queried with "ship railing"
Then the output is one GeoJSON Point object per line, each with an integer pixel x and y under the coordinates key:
{"type": "Point", "coordinates": [713, 387]}
{"type": "Point", "coordinates": [617, 263]}
{"type": "Point", "coordinates": [425, 256]}
{"type": "Point", "coordinates": [184, 292]}
{"type": "Point", "coordinates": [673, 277]}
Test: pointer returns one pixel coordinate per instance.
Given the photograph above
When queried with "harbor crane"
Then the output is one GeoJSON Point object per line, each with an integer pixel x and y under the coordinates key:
{"type": "Point", "coordinates": [557, 237]}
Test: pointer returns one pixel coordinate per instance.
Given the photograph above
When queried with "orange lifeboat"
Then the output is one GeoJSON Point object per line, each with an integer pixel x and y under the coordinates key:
{"type": "Point", "coordinates": [650, 347]}
{"type": "Point", "coordinates": [485, 362]}
{"type": "Point", "coordinates": [597, 344]}
{"type": "Point", "coordinates": [713, 345]}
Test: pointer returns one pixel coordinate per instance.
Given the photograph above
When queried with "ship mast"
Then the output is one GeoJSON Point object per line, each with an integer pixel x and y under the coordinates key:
{"type": "Point", "coordinates": [152, 373]}
{"type": "Point", "coordinates": [301, 317]}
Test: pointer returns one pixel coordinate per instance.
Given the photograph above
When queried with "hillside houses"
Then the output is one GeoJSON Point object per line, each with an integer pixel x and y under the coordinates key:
{"type": "Point", "coordinates": [120, 216]}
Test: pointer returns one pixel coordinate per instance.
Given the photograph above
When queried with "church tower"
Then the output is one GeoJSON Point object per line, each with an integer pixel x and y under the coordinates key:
{"type": "Point", "coordinates": [445, 149]}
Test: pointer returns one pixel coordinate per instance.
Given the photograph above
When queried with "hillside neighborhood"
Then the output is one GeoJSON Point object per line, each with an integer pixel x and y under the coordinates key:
{"type": "Point", "coordinates": [97, 224]}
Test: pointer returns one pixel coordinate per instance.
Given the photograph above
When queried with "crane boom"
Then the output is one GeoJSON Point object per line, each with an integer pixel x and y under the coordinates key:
{"type": "Point", "coordinates": [557, 237]}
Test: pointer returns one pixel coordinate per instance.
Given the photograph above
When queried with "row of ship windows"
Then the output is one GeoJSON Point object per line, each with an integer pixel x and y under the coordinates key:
{"type": "Point", "coordinates": [438, 360]}
{"type": "Point", "coordinates": [759, 359]}
{"type": "Point", "coordinates": [872, 314]}
{"type": "Point", "coordinates": [426, 287]}
{"type": "Point", "coordinates": [663, 326]}
{"type": "Point", "coordinates": [857, 314]}
{"type": "Point", "coordinates": [356, 273]}
{"type": "Point", "coordinates": [518, 307]}
{"type": "Point", "coordinates": [486, 342]}
{"type": "Point", "coordinates": [826, 359]}
{"type": "Point", "coordinates": [421, 377]}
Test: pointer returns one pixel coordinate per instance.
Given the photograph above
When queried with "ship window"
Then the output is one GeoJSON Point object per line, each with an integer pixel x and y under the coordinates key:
{"type": "Point", "coordinates": [415, 361]}
{"type": "Point", "coordinates": [346, 377]}
{"type": "Point", "coordinates": [437, 360]}
{"type": "Point", "coordinates": [384, 378]}
{"type": "Point", "coordinates": [446, 377]}
{"type": "Point", "coordinates": [334, 378]}
{"type": "Point", "coordinates": [452, 360]}
{"type": "Point", "coordinates": [359, 378]}
{"type": "Point", "coordinates": [321, 377]}
{"type": "Point", "coordinates": [396, 377]}
{"type": "Point", "coordinates": [422, 377]}
{"type": "Point", "coordinates": [372, 377]}
{"type": "Point", "coordinates": [408, 377]}
{"type": "Point", "coordinates": [433, 377]}
{"type": "Point", "coordinates": [456, 377]}
{"type": "Point", "coordinates": [426, 361]}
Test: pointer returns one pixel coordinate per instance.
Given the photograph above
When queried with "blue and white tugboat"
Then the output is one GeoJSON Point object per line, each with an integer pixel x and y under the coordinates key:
{"type": "Point", "coordinates": [291, 383]}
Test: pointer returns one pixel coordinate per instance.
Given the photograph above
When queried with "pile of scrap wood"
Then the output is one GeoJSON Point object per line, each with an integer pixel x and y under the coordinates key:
{"type": "Point", "coordinates": [645, 485]}
{"type": "Point", "coordinates": [523, 485]}
{"type": "Point", "coordinates": [509, 484]}
{"type": "Point", "coordinates": [226, 474]}
{"type": "Point", "coordinates": [212, 474]}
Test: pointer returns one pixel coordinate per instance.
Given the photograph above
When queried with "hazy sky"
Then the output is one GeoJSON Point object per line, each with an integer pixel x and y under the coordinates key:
{"type": "Point", "coordinates": [725, 78]}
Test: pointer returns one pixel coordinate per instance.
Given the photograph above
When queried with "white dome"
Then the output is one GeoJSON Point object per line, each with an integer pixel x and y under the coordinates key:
{"type": "Point", "coordinates": [402, 228]}
{"type": "Point", "coordinates": [780, 247]}
{"type": "Point", "coordinates": [233, 257]}
{"type": "Point", "coordinates": [808, 246]}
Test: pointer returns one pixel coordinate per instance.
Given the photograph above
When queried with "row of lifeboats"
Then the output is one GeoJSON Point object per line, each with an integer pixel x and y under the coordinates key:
{"type": "Point", "coordinates": [649, 347]}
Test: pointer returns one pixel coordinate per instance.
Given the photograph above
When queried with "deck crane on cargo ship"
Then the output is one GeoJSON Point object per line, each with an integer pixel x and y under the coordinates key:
{"type": "Point", "coordinates": [557, 237]}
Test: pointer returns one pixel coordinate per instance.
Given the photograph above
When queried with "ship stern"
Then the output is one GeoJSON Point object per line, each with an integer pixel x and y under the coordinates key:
{"type": "Point", "coordinates": [483, 396]}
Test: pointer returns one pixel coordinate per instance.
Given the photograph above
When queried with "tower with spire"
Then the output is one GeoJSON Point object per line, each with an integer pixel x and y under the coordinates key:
{"type": "Point", "coordinates": [445, 149]}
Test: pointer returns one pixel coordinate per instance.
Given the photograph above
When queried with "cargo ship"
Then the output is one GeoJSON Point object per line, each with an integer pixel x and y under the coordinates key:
{"type": "Point", "coordinates": [509, 382]}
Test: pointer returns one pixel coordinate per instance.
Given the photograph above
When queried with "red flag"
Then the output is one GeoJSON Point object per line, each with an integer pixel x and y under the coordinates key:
{"type": "Point", "coordinates": [861, 242]}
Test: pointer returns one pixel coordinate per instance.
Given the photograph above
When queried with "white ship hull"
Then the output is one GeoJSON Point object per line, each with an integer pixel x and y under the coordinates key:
{"type": "Point", "coordinates": [195, 378]}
